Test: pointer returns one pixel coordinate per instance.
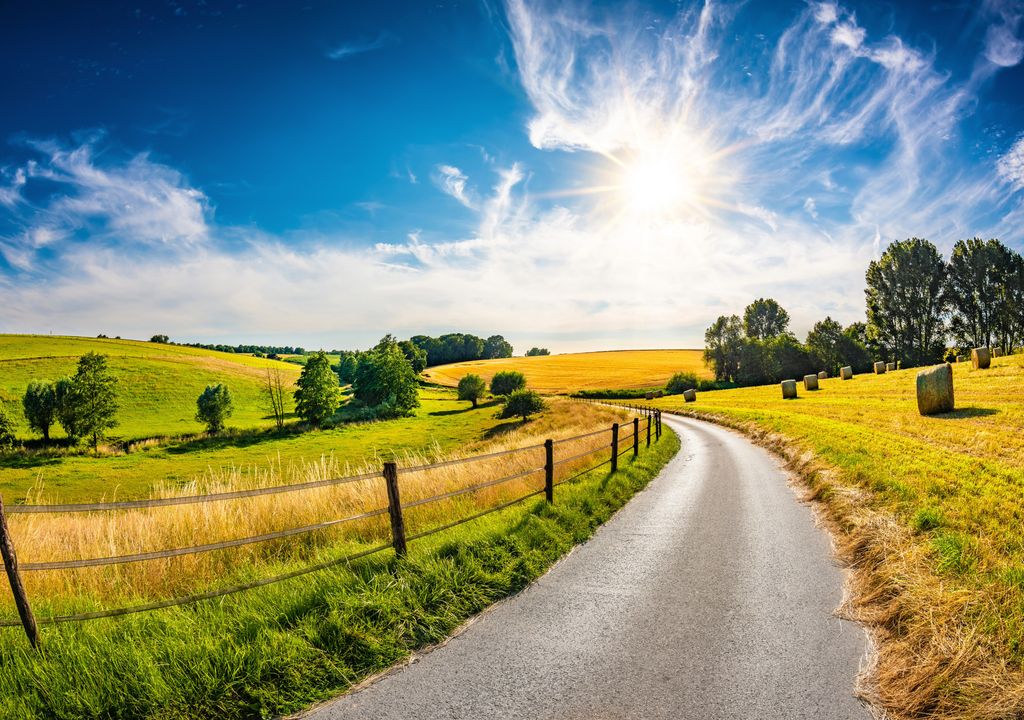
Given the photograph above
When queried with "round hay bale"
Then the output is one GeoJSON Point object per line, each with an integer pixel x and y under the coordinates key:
{"type": "Point", "coordinates": [997, 352]}
{"type": "Point", "coordinates": [648, 396]}
{"type": "Point", "coordinates": [846, 373]}
{"type": "Point", "coordinates": [880, 368]}
{"type": "Point", "coordinates": [788, 389]}
{"type": "Point", "coordinates": [823, 375]}
{"type": "Point", "coordinates": [935, 390]}
{"type": "Point", "coordinates": [981, 358]}
{"type": "Point", "coordinates": [890, 366]}
{"type": "Point", "coordinates": [690, 395]}
{"type": "Point", "coordinates": [810, 382]}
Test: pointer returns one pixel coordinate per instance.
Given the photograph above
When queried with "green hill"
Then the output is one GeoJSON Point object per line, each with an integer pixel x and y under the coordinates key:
{"type": "Point", "coordinates": [158, 385]}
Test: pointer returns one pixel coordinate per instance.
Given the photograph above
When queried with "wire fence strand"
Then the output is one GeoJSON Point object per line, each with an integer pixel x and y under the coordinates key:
{"type": "Point", "coordinates": [471, 488]}
{"type": "Point", "coordinates": [480, 514]}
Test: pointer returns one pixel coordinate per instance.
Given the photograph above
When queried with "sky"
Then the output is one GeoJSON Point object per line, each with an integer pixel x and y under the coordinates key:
{"type": "Point", "coordinates": [574, 175]}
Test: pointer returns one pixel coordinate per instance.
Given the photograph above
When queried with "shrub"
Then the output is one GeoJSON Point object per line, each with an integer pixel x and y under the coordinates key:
{"type": "Point", "coordinates": [385, 380]}
{"type": "Point", "coordinates": [162, 339]}
{"type": "Point", "coordinates": [7, 437]}
{"type": "Point", "coordinates": [213, 407]}
{"type": "Point", "coordinates": [472, 388]}
{"type": "Point", "coordinates": [507, 382]}
{"type": "Point", "coordinates": [40, 405]}
{"type": "Point", "coordinates": [318, 395]}
{"type": "Point", "coordinates": [681, 381]}
{"type": "Point", "coordinates": [522, 403]}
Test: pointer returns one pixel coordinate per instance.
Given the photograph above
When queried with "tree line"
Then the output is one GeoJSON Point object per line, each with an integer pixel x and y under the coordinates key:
{"type": "Point", "coordinates": [921, 309]}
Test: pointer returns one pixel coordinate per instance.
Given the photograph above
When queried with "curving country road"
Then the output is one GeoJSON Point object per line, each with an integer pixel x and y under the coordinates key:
{"type": "Point", "coordinates": [710, 595]}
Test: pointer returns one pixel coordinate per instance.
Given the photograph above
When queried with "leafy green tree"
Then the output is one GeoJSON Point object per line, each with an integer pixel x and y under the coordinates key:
{"type": "Point", "coordinates": [906, 302]}
{"type": "Point", "coordinates": [318, 395]}
{"type": "Point", "coordinates": [723, 343]}
{"type": "Point", "coordinates": [507, 382]}
{"type": "Point", "coordinates": [826, 341]}
{"type": "Point", "coordinates": [348, 362]}
{"type": "Point", "coordinates": [214, 407]}
{"type": "Point", "coordinates": [386, 381]}
{"type": "Point", "coordinates": [40, 406]}
{"type": "Point", "coordinates": [94, 392]}
{"type": "Point", "coordinates": [472, 388]}
{"type": "Point", "coordinates": [162, 339]}
{"type": "Point", "coordinates": [977, 274]}
{"type": "Point", "coordinates": [764, 319]}
{"type": "Point", "coordinates": [522, 403]}
{"type": "Point", "coordinates": [67, 408]}
{"type": "Point", "coordinates": [497, 347]}
{"type": "Point", "coordinates": [533, 352]}
{"type": "Point", "coordinates": [7, 434]}
{"type": "Point", "coordinates": [1009, 326]}
{"type": "Point", "coordinates": [681, 381]}
{"type": "Point", "coordinates": [416, 355]}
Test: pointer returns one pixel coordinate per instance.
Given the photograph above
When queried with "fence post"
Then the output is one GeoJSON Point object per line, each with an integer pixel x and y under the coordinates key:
{"type": "Point", "coordinates": [657, 417]}
{"type": "Point", "coordinates": [395, 509]}
{"type": "Point", "coordinates": [648, 431]}
{"type": "Point", "coordinates": [615, 447]}
{"type": "Point", "coordinates": [549, 471]}
{"type": "Point", "coordinates": [17, 589]}
{"type": "Point", "coordinates": [636, 436]}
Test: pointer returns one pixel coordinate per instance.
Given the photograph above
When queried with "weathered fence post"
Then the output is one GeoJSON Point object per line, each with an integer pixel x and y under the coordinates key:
{"type": "Point", "coordinates": [648, 430]}
{"type": "Point", "coordinates": [17, 589]}
{"type": "Point", "coordinates": [549, 471]}
{"type": "Point", "coordinates": [615, 447]}
{"type": "Point", "coordinates": [636, 436]}
{"type": "Point", "coordinates": [395, 509]}
{"type": "Point", "coordinates": [657, 418]}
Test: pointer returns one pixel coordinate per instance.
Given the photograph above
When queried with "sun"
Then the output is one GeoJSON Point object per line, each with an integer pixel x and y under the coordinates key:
{"type": "Point", "coordinates": [657, 183]}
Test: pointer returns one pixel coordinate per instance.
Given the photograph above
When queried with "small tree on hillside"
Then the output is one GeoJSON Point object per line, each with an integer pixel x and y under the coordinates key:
{"type": "Point", "coordinates": [162, 339]}
{"type": "Point", "coordinates": [95, 394]}
{"type": "Point", "coordinates": [318, 395]}
{"type": "Point", "coordinates": [472, 388]}
{"type": "Point", "coordinates": [507, 382]}
{"type": "Point", "coordinates": [67, 408]}
{"type": "Point", "coordinates": [522, 403]}
{"type": "Point", "coordinates": [273, 394]}
{"type": "Point", "coordinates": [214, 407]}
{"type": "Point", "coordinates": [385, 380]}
{"type": "Point", "coordinates": [7, 436]}
{"type": "Point", "coordinates": [40, 405]}
{"type": "Point", "coordinates": [765, 319]}
{"type": "Point", "coordinates": [536, 351]}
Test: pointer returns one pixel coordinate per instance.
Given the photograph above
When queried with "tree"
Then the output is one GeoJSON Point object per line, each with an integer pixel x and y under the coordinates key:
{"type": "Point", "coordinates": [764, 319]}
{"type": "Point", "coordinates": [162, 339]}
{"type": "Point", "coordinates": [40, 405]}
{"type": "Point", "coordinates": [273, 394]}
{"type": "Point", "coordinates": [318, 395]}
{"type": "Point", "coordinates": [347, 364]}
{"type": "Point", "coordinates": [906, 301]}
{"type": "Point", "coordinates": [497, 347]}
{"type": "Point", "coordinates": [67, 408]}
{"type": "Point", "coordinates": [385, 380]}
{"type": "Point", "coordinates": [416, 355]}
{"type": "Point", "coordinates": [1009, 326]}
{"type": "Point", "coordinates": [94, 392]}
{"type": "Point", "coordinates": [7, 436]}
{"type": "Point", "coordinates": [522, 403]}
{"type": "Point", "coordinates": [472, 388]}
{"type": "Point", "coordinates": [722, 347]}
{"type": "Point", "coordinates": [977, 274]}
{"type": "Point", "coordinates": [214, 407]}
{"type": "Point", "coordinates": [681, 381]}
{"type": "Point", "coordinates": [533, 352]}
{"type": "Point", "coordinates": [507, 382]}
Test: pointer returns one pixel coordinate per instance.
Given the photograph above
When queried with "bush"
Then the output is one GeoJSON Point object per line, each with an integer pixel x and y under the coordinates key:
{"type": "Point", "coordinates": [507, 382]}
{"type": "Point", "coordinates": [681, 381]}
{"type": "Point", "coordinates": [162, 339]}
{"type": "Point", "coordinates": [625, 394]}
{"type": "Point", "coordinates": [522, 403]}
{"type": "Point", "coordinates": [472, 388]}
{"type": "Point", "coordinates": [40, 405]}
{"type": "Point", "coordinates": [7, 437]}
{"type": "Point", "coordinates": [386, 381]}
{"type": "Point", "coordinates": [318, 395]}
{"type": "Point", "coordinates": [213, 407]}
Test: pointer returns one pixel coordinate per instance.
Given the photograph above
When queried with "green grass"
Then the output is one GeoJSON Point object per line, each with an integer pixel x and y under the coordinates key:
{"type": "Point", "coordinates": [278, 649]}
{"type": "Point", "coordinates": [938, 502]}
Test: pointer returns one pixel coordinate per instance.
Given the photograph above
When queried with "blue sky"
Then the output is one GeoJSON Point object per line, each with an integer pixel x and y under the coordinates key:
{"type": "Point", "coordinates": [575, 175]}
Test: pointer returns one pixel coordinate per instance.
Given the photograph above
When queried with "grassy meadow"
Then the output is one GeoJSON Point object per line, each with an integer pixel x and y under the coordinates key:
{"type": "Point", "coordinates": [614, 369]}
{"type": "Point", "coordinates": [930, 513]}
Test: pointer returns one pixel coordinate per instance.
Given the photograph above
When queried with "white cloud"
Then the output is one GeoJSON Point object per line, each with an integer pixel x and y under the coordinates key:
{"type": "Point", "coordinates": [453, 182]}
{"type": "Point", "coordinates": [811, 207]}
{"type": "Point", "coordinates": [1010, 166]}
{"type": "Point", "coordinates": [1003, 45]}
{"type": "Point", "coordinates": [348, 49]}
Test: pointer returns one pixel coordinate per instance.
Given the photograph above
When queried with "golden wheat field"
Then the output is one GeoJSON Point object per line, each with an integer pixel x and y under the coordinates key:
{"type": "Point", "coordinates": [613, 369]}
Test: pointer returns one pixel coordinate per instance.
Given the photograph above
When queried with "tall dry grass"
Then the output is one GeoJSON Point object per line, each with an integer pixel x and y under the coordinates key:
{"type": "Point", "coordinates": [57, 537]}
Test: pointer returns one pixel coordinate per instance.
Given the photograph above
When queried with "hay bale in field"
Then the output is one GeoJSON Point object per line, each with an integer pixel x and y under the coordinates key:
{"type": "Point", "coordinates": [935, 390]}
{"type": "Point", "coordinates": [961, 358]}
{"type": "Point", "coordinates": [788, 389]}
{"type": "Point", "coordinates": [981, 358]}
{"type": "Point", "coordinates": [846, 373]}
{"type": "Point", "coordinates": [880, 368]}
{"type": "Point", "coordinates": [690, 395]}
{"type": "Point", "coordinates": [890, 366]}
{"type": "Point", "coordinates": [648, 396]}
{"type": "Point", "coordinates": [997, 352]}
{"type": "Point", "coordinates": [660, 393]}
{"type": "Point", "coordinates": [810, 382]}
{"type": "Point", "coordinates": [823, 375]}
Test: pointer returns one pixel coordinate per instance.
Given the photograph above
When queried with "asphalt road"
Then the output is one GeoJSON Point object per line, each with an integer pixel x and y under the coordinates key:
{"type": "Point", "coordinates": [710, 595]}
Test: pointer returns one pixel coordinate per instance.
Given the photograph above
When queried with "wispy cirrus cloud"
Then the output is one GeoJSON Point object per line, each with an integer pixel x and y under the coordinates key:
{"type": "Point", "coordinates": [357, 47]}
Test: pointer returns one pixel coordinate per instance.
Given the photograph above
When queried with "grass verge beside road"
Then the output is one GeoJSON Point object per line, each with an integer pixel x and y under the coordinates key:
{"type": "Point", "coordinates": [929, 513]}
